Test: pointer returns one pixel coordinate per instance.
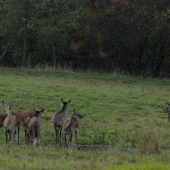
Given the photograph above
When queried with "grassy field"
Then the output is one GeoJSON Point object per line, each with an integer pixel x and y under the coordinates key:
{"type": "Point", "coordinates": [123, 126]}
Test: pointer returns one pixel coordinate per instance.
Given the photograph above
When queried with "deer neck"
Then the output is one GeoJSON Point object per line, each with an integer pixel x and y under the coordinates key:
{"type": "Point", "coordinates": [64, 110]}
{"type": "Point", "coordinates": [70, 123]}
{"type": "Point", "coordinates": [10, 117]}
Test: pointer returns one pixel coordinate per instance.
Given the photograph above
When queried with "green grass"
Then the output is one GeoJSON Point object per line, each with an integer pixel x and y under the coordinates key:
{"type": "Point", "coordinates": [122, 114]}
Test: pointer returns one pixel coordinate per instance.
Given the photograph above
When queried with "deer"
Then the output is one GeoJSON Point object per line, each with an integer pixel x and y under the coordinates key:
{"type": "Point", "coordinates": [167, 110]}
{"type": "Point", "coordinates": [3, 116]}
{"type": "Point", "coordinates": [58, 120]}
{"type": "Point", "coordinates": [34, 128]}
{"type": "Point", "coordinates": [71, 125]}
{"type": "Point", "coordinates": [26, 119]}
{"type": "Point", "coordinates": [10, 122]}
{"type": "Point", "coordinates": [20, 116]}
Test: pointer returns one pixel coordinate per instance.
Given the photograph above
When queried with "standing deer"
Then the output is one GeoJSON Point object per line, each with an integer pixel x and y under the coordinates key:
{"type": "Point", "coordinates": [167, 110]}
{"type": "Point", "coordinates": [71, 125]}
{"type": "Point", "coordinates": [25, 118]}
{"type": "Point", "coordinates": [34, 128]}
{"type": "Point", "coordinates": [58, 119]}
{"type": "Point", "coordinates": [20, 119]}
{"type": "Point", "coordinates": [10, 122]}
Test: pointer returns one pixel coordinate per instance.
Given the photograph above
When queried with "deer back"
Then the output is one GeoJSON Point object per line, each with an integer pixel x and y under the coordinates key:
{"type": "Point", "coordinates": [27, 114]}
{"type": "Point", "coordinates": [74, 126]}
{"type": "Point", "coordinates": [18, 117]}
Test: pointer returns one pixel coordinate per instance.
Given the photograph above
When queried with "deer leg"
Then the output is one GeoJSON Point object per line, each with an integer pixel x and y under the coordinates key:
{"type": "Point", "coordinates": [6, 137]}
{"type": "Point", "coordinates": [65, 136]}
{"type": "Point", "coordinates": [26, 134]}
{"type": "Point", "coordinates": [60, 134]}
{"type": "Point", "coordinates": [18, 132]}
{"type": "Point", "coordinates": [28, 138]}
{"type": "Point", "coordinates": [9, 137]}
{"type": "Point", "coordinates": [76, 137]}
{"type": "Point", "coordinates": [68, 140]}
{"type": "Point", "coordinates": [71, 138]}
{"type": "Point", "coordinates": [13, 137]}
{"type": "Point", "coordinates": [56, 134]}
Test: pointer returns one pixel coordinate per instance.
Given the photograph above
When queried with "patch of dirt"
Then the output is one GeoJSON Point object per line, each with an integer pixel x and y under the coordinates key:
{"type": "Point", "coordinates": [102, 148]}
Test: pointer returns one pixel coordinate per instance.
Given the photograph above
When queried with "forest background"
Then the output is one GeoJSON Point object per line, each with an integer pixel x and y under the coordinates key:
{"type": "Point", "coordinates": [131, 37]}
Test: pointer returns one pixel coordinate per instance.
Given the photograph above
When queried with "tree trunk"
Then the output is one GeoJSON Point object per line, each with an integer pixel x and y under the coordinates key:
{"type": "Point", "coordinates": [25, 49]}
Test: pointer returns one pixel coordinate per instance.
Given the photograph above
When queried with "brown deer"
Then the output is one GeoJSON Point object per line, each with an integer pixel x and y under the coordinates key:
{"type": "Point", "coordinates": [2, 118]}
{"type": "Point", "coordinates": [71, 125]}
{"type": "Point", "coordinates": [34, 128]}
{"type": "Point", "coordinates": [58, 119]}
{"type": "Point", "coordinates": [26, 116]}
{"type": "Point", "coordinates": [10, 122]}
{"type": "Point", "coordinates": [21, 120]}
{"type": "Point", "coordinates": [167, 110]}
{"type": "Point", "coordinates": [18, 117]}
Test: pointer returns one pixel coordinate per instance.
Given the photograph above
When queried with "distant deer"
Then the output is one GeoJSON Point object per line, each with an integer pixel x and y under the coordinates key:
{"type": "Point", "coordinates": [71, 125]}
{"type": "Point", "coordinates": [20, 119]}
{"type": "Point", "coordinates": [58, 119]}
{"type": "Point", "coordinates": [17, 115]}
{"type": "Point", "coordinates": [34, 128]}
{"type": "Point", "coordinates": [10, 122]}
{"type": "Point", "coordinates": [167, 110]}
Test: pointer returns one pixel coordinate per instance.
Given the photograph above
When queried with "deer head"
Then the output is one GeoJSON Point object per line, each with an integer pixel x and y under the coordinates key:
{"type": "Point", "coordinates": [38, 113]}
{"type": "Point", "coordinates": [10, 105]}
{"type": "Point", "coordinates": [76, 115]}
{"type": "Point", "coordinates": [167, 110]}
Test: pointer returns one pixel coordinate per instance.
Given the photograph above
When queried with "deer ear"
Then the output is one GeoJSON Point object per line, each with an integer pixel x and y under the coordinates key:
{"type": "Point", "coordinates": [62, 101]}
{"type": "Point", "coordinates": [5, 102]}
{"type": "Point", "coordinates": [14, 103]}
{"type": "Point", "coordinates": [42, 111]}
{"type": "Point", "coordinates": [69, 101]}
{"type": "Point", "coordinates": [74, 110]}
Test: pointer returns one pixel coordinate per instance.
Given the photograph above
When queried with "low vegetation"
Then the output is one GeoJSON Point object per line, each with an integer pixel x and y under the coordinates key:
{"type": "Point", "coordinates": [123, 127]}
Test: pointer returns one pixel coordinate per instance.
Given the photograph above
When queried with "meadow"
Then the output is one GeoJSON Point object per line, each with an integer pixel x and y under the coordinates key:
{"type": "Point", "coordinates": [124, 126]}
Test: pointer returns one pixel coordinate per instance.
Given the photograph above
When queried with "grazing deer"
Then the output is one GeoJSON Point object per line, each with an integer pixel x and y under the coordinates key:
{"type": "Point", "coordinates": [71, 125]}
{"type": "Point", "coordinates": [10, 122]}
{"type": "Point", "coordinates": [58, 119]}
{"type": "Point", "coordinates": [167, 110]}
{"type": "Point", "coordinates": [34, 128]}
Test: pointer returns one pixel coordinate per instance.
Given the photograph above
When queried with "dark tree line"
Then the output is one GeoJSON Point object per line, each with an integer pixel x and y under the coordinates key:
{"type": "Point", "coordinates": [128, 36]}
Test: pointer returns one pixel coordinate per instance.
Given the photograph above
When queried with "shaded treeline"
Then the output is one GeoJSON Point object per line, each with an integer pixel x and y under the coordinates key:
{"type": "Point", "coordinates": [127, 36]}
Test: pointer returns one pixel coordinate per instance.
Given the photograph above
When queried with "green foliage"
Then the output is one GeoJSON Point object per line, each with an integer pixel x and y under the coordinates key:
{"type": "Point", "coordinates": [130, 37]}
